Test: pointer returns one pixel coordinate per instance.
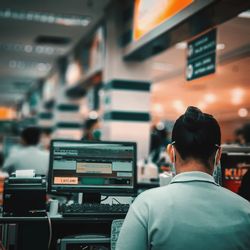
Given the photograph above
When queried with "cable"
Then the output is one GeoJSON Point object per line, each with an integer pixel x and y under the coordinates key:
{"type": "Point", "coordinates": [50, 230]}
{"type": "Point", "coordinates": [105, 198]}
{"type": "Point", "coordinates": [115, 200]}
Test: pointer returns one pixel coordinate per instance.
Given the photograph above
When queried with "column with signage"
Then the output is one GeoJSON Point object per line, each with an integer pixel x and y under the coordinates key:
{"type": "Point", "coordinates": [68, 122]}
{"type": "Point", "coordinates": [125, 102]}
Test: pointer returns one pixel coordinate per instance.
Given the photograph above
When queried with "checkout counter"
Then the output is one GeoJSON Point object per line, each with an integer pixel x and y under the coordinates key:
{"type": "Point", "coordinates": [27, 223]}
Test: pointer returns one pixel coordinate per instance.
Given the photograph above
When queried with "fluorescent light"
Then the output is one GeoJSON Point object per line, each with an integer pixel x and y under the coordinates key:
{"type": "Point", "coordinates": [68, 20]}
{"type": "Point", "coordinates": [28, 48]}
{"type": "Point", "coordinates": [243, 112]}
{"type": "Point", "coordinates": [245, 14]}
{"type": "Point", "coordinates": [14, 64]}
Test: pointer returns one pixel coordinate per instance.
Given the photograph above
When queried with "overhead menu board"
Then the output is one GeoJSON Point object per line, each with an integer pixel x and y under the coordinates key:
{"type": "Point", "coordinates": [201, 56]}
{"type": "Point", "coordinates": [148, 14]}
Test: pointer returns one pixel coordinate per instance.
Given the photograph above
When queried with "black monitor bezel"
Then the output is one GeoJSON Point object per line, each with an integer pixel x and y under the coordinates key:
{"type": "Point", "coordinates": [102, 191]}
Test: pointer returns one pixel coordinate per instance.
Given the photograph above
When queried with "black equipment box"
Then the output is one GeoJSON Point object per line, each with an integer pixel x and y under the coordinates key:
{"type": "Point", "coordinates": [24, 196]}
{"type": "Point", "coordinates": [79, 242]}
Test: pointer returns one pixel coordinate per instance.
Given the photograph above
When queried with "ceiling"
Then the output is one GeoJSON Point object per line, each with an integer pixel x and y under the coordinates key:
{"type": "Point", "coordinates": [223, 94]}
{"type": "Point", "coordinates": [25, 56]}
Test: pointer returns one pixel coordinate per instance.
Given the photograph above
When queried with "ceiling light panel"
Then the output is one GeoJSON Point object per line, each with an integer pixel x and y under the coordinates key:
{"type": "Point", "coordinates": [42, 17]}
{"type": "Point", "coordinates": [28, 48]}
{"type": "Point", "coordinates": [21, 65]}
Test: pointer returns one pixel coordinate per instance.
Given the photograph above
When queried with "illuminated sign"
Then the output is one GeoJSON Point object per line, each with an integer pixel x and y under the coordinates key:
{"type": "Point", "coordinates": [7, 113]}
{"type": "Point", "coordinates": [201, 56]}
{"type": "Point", "coordinates": [66, 180]}
{"type": "Point", "coordinates": [233, 176]}
{"type": "Point", "coordinates": [148, 14]}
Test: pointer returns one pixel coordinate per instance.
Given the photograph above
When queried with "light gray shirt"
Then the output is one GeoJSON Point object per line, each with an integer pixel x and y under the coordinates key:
{"type": "Point", "coordinates": [192, 212]}
{"type": "Point", "coordinates": [30, 157]}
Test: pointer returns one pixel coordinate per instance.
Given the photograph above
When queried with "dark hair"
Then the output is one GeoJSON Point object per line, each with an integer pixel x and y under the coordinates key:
{"type": "Point", "coordinates": [89, 123]}
{"type": "Point", "coordinates": [31, 135]}
{"type": "Point", "coordinates": [246, 133]}
{"type": "Point", "coordinates": [196, 135]}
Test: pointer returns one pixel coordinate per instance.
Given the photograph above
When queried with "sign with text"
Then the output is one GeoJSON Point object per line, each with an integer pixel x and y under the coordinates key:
{"type": "Point", "coordinates": [201, 56]}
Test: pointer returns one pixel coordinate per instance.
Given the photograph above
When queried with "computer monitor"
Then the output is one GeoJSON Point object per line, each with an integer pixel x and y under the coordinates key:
{"type": "Point", "coordinates": [92, 167]}
{"type": "Point", "coordinates": [235, 161]}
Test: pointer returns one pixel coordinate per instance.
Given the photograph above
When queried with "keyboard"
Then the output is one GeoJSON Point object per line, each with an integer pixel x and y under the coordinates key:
{"type": "Point", "coordinates": [85, 209]}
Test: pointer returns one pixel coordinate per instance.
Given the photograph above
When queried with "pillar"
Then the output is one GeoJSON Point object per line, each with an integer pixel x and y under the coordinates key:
{"type": "Point", "coordinates": [126, 97]}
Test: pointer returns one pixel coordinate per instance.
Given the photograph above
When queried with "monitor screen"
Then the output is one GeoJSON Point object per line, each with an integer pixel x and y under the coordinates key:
{"type": "Point", "coordinates": [235, 162]}
{"type": "Point", "coordinates": [86, 166]}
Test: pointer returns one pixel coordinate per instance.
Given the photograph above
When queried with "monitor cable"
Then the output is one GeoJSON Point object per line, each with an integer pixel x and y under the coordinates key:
{"type": "Point", "coordinates": [114, 199]}
{"type": "Point", "coordinates": [105, 198]}
{"type": "Point", "coordinates": [50, 230]}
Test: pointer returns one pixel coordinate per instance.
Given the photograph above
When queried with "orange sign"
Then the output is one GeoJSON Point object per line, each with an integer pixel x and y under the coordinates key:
{"type": "Point", "coordinates": [66, 180]}
{"type": "Point", "coordinates": [150, 13]}
{"type": "Point", "coordinates": [6, 113]}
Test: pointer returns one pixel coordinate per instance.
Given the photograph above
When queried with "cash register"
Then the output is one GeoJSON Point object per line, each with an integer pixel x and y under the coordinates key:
{"type": "Point", "coordinates": [24, 196]}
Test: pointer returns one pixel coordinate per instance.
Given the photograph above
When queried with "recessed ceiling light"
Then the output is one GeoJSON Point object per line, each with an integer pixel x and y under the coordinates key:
{"type": "Point", "coordinates": [243, 112]}
{"type": "Point", "coordinates": [220, 46]}
{"type": "Point", "coordinates": [157, 108]}
{"type": "Point", "coordinates": [28, 48]}
{"type": "Point", "coordinates": [237, 95]}
{"type": "Point", "coordinates": [68, 20]}
{"type": "Point", "coordinates": [179, 106]}
{"type": "Point", "coordinates": [181, 45]}
{"type": "Point", "coordinates": [209, 98]}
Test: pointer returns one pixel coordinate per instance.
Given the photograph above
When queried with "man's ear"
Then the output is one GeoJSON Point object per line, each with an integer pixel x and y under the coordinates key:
{"type": "Point", "coordinates": [217, 160]}
{"type": "Point", "coordinates": [170, 152]}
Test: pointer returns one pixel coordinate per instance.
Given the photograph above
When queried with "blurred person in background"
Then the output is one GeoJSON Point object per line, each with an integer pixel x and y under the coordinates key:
{"type": "Point", "coordinates": [30, 156]}
{"type": "Point", "coordinates": [158, 143]}
{"type": "Point", "coordinates": [244, 189]}
{"type": "Point", "coordinates": [45, 139]}
{"type": "Point", "coordinates": [193, 211]}
{"type": "Point", "coordinates": [239, 136]}
{"type": "Point", "coordinates": [92, 130]}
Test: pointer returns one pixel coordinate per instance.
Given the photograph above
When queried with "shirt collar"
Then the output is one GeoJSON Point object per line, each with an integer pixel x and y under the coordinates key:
{"type": "Point", "coordinates": [193, 176]}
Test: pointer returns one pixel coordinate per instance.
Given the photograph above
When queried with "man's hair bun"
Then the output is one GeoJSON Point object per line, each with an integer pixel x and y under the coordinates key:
{"type": "Point", "coordinates": [193, 118]}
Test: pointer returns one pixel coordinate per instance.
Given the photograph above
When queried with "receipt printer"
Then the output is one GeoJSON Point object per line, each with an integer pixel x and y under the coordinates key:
{"type": "Point", "coordinates": [24, 196]}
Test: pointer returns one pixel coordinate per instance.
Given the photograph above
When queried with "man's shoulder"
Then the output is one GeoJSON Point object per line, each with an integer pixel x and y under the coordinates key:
{"type": "Point", "coordinates": [154, 193]}
{"type": "Point", "coordinates": [235, 198]}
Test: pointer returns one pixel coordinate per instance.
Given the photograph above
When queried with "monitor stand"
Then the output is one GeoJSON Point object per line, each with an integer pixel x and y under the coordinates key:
{"type": "Point", "coordinates": [89, 198]}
